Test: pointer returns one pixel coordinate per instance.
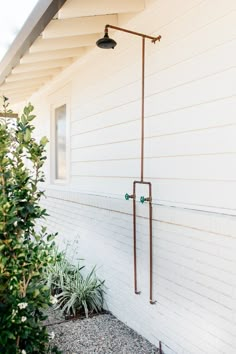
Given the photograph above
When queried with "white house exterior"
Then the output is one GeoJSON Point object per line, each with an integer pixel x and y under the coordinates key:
{"type": "Point", "coordinates": [190, 159]}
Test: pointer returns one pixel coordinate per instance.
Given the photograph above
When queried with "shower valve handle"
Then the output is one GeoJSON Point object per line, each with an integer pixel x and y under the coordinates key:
{"type": "Point", "coordinates": [128, 196]}
{"type": "Point", "coordinates": [143, 199]}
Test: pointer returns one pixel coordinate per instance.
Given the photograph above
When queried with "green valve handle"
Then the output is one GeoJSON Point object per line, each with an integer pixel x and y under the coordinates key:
{"type": "Point", "coordinates": [128, 196]}
{"type": "Point", "coordinates": [142, 199]}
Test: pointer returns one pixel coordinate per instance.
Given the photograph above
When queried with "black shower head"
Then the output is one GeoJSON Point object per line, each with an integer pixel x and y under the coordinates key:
{"type": "Point", "coordinates": [106, 42]}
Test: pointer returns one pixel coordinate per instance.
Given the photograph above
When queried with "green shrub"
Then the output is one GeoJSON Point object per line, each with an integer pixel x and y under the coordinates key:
{"type": "Point", "coordinates": [57, 273]}
{"type": "Point", "coordinates": [76, 294]}
{"type": "Point", "coordinates": [24, 252]}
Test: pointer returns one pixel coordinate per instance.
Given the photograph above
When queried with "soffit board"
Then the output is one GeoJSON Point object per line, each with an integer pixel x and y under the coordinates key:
{"type": "Point", "coordinates": [57, 33]}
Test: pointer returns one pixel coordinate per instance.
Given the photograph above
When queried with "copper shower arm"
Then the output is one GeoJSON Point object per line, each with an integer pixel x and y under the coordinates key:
{"type": "Point", "coordinates": [154, 39]}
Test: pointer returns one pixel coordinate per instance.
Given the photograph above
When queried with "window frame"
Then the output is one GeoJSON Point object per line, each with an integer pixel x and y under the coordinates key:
{"type": "Point", "coordinates": [53, 144]}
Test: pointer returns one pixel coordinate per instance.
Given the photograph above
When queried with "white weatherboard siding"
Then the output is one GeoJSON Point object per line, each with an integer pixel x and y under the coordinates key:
{"type": "Point", "coordinates": [190, 158]}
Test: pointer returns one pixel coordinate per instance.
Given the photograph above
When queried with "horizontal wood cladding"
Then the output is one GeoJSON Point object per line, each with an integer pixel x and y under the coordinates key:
{"type": "Point", "coordinates": [190, 111]}
{"type": "Point", "coordinates": [174, 167]}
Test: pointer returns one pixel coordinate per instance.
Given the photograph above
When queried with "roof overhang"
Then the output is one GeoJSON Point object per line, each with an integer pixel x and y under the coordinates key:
{"type": "Point", "coordinates": [42, 14]}
{"type": "Point", "coordinates": [56, 34]}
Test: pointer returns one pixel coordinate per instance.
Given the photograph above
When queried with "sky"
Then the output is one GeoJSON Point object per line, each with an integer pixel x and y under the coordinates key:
{"type": "Point", "coordinates": [13, 14]}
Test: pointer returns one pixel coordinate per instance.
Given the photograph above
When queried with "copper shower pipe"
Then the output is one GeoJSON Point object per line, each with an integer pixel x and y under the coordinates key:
{"type": "Point", "coordinates": [154, 39]}
{"type": "Point", "coordinates": [149, 199]}
{"type": "Point", "coordinates": [133, 196]}
{"type": "Point", "coordinates": [142, 108]}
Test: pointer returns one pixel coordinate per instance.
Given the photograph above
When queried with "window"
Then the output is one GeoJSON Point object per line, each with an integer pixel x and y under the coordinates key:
{"type": "Point", "coordinates": [60, 143]}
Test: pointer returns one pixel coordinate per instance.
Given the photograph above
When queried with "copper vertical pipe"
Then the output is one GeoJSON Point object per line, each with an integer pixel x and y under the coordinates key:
{"type": "Point", "coordinates": [142, 107]}
{"type": "Point", "coordinates": [149, 200]}
{"type": "Point", "coordinates": [150, 245]}
{"type": "Point", "coordinates": [150, 251]}
{"type": "Point", "coordinates": [134, 240]}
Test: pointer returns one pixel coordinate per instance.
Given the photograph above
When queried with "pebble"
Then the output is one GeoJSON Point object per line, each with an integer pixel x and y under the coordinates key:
{"type": "Point", "coordinates": [101, 334]}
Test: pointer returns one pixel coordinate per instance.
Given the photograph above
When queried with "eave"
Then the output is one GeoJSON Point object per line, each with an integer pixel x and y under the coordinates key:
{"type": "Point", "coordinates": [56, 34]}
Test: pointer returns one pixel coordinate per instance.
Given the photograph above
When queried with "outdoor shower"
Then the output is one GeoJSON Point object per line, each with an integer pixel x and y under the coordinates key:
{"type": "Point", "coordinates": [107, 43]}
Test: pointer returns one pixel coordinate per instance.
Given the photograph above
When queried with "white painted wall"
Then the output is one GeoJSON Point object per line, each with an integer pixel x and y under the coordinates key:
{"type": "Point", "coordinates": [190, 158]}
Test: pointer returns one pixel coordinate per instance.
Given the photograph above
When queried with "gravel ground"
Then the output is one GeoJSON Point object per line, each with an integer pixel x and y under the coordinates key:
{"type": "Point", "coordinates": [102, 334]}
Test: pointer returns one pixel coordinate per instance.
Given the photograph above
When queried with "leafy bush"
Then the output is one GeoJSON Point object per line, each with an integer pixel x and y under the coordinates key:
{"type": "Point", "coordinates": [81, 293]}
{"type": "Point", "coordinates": [57, 273]}
{"type": "Point", "coordinates": [76, 294]}
{"type": "Point", "coordinates": [24, 252]}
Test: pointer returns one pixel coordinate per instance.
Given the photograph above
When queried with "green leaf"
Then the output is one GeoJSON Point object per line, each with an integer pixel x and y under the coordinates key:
{"type": "Point", "coordinates": [26, 110]}
{"type": "Point", "coordinates": [2, 247]}
{"type": "Point", "coordinates": [23, 119]}
{"type": "Point", "coordinates": [44, 141]}
{"type": "Point", "coordinates": [11, 335]}
{"type": "Point", "coordinates": [36, 293]}
{"type": "Point", "coordinates": [50, 238]}
{"type": "Point", "coordinates": [31, 117]}
{"type": "Point", "coordinates": [27, 135]}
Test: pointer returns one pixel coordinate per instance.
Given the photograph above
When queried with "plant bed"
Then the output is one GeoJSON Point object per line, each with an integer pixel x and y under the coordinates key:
{"type": "Point", "coordinates": [75, 292]}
